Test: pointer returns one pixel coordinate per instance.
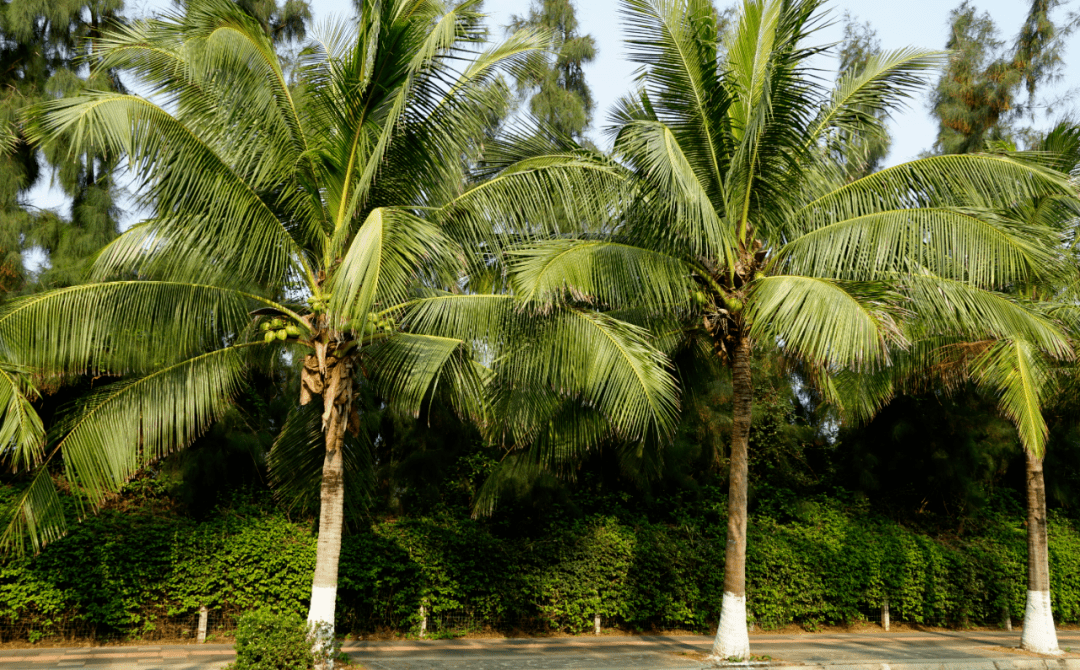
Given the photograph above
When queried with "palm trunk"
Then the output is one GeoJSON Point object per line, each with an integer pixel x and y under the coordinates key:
{"type": "Point", "coordinates": [331, 517]}
{"type": "Point", "coordinates": [337, 392]}
{"type": "Point", "coordinates": [732, 640]}
{"type": "Point", "coordinates": [1039, 634]}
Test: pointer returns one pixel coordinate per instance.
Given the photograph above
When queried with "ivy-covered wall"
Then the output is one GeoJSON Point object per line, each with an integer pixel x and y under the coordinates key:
{"type": "Point", "coordinates": [126, 572]}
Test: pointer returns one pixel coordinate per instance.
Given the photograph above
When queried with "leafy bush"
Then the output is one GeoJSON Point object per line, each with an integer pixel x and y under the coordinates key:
{"type": "Point", "coordinates": [266, 640]}
{"type": "Point", "coordinates": [813, 561]}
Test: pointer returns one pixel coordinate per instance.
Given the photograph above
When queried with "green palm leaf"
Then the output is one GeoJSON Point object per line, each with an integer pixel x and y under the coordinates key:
{"type": "Point", "coordinates": [22, 434]}
{"type": "Point", "coordinates": [37, 514]}
{"type": "Point", "coordinates": [127, 424]}
{"type": "Point", "coordinates": [824, 321]}
{"type": "Point", "coordinates": [409, 369]}
{"type": "Point", "coordinates": [220, 218]}
{"type": "Point", "coordinates": [886, 80]}
{"type": "Point", "coordinates": [384, 260]}
{"type": "Point", "coordinates": [944, 242]}
{"type": "Point", "coordinates": [599, 272]}
{"type": "Point", "coordinates": [121, 327]}
{"type": "Point", "coordinates": [1019, 374]}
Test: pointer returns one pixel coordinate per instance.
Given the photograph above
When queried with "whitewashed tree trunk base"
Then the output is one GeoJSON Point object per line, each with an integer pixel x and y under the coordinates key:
{"type": "Point", "coordinates": [1039, 635]}
{"type": "Point", "coordinates": [732, 638]}
{"type": "Point", "coordinates": [321, 619]}
{"type": "Point", "coordinates": [323, 599]}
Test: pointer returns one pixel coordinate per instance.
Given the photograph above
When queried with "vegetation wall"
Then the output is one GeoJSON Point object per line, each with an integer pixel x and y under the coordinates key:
{"type": "Point", "coordinates": [132, 573]}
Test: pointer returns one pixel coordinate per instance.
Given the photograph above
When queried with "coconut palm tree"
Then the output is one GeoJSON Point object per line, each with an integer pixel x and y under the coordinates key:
{"type": "Point", "coordinates": [331, 224]}
{"type": "Point", "coordinates": [1024, 378]}
{"type": "Point", "coordinates": [743, 232]}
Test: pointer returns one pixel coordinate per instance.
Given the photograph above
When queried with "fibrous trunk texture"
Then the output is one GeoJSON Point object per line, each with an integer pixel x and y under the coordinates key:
{"type": "Point", "coordinates": [1039, 635]}
{"type": "Point", "coordinates": [337, 392]}
{"type": "Point", "coordinates": [732, 638]}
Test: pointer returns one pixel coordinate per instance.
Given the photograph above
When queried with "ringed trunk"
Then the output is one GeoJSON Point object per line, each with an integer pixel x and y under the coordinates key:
{"type": "Point", "coordinates": [732, 638]}
{"type": "Point", "coordinates": [336, 388]}
{"type": "Point", "coordinates": [1039, 635]}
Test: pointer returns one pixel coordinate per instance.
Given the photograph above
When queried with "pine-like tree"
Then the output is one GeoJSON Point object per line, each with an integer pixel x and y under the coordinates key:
{"type": "Point", "coordinates": [978, 98]}
{"type": "Point", "coordinates": [977, 91]}
{"type": "Point", "coordinates": [558, 95]}
{"type": "Point", "coordinates": [45, 53]}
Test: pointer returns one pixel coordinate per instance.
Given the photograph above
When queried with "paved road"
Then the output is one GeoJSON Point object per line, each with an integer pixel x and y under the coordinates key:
{"type": "Point", "coordinates": [631, 653]}
{"type": "Point", "coordinates": [164, 657]}
{"type": "Point", "coordinates": [865, 651]}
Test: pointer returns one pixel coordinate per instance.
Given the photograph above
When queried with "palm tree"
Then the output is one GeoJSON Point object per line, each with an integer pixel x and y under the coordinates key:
{"type": "Point", "coordinates": [743, 226]}
{"type": "Point", "coordinates": [1023, 378]}
{"type": "Point", "coordinates": [329, 223]}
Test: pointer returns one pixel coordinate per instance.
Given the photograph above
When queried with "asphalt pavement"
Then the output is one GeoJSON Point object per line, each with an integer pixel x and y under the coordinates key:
{"type": "Point", "coordinates": [866, 650]}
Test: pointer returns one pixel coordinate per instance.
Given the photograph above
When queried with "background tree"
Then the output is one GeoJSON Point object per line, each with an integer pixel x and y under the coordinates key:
{"type": "Point", "coordinates": [977, 99]}
{"type": "Point", "coordinates": [557, 93]}
{"type": "Point", "coordinates": [45, 53]}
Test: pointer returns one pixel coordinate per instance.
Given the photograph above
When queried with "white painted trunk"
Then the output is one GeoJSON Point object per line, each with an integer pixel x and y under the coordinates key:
{"type": "Point", "coordinates": [323, 601]}
{"type": "Point", "coordinates": [1039, 635]}
{"type": "Point", "coordinates": [321, 621]}
{"type": "Point", "coordinates": [732, 639]}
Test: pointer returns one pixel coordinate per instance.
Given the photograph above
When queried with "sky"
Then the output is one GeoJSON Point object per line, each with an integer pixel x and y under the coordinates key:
{"type": "Point", "coordinates": [898, 24]}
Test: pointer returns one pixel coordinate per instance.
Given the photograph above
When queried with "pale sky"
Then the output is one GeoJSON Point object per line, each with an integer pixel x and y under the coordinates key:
{"type": "Point", "coordinates": [898, 24]}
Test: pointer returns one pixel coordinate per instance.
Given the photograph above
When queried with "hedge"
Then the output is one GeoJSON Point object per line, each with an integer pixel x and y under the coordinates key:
{"type": "Point", "coordinates": [125, 573]}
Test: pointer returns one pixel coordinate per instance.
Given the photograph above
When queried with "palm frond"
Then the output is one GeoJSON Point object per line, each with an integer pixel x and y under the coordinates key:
{"type": "Point", "coordinates": [944, 307]}
{"type": "Point", "coordinates": [977, 247]}
{"type": "Point", "coordinates": [885, 81]}
{"type": "Point", "coordinates": [407, 369]}
{"type": "Point", "coordinates": [1018, 373]}
{"type": "Point", "coordinates": [950, 181]}
{"type": "Point", "coordinates": [120, 327]}
{"type": "Point", "coordinates": [678, 203]}
{"type": "Point", "coordinates": [22, 435]}
{"type": "Point", "coordinates": [202, 201]}
{"type": "Point", "coordinates": [37, 516]}
{"type": "Point", "coordinates": [580, 354]}
{"type": "Point", "coordinates": [525, 192]}
{"type": "Point", "coordinates": [392, 249]}
{"type": "Point", "coordinates": [599, 272]}
{"type": "Point", "coordinates": [824, 321]}
{"type": "Point", "coordinates": [676, 44]}
{"type": "Point", "coordinates": [127, 424]}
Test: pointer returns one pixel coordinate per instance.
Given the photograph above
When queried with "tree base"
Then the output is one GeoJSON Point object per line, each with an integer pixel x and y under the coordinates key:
{"type": "Point", "coordinates": [1039, 634]}
{"type": "Point", "coordinates": [732, 639]}
{"type": "Point", "coordinates": [321, 625]}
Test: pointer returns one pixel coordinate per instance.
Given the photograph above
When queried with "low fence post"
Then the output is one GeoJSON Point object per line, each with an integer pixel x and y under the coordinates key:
{"type": "Point", "coordinates": [423, 621]}
{"type": "Point", "coordinates": [203, 616]}
{"type": "Point", "coordinates": [885, 614]}
{"type": "Point", "coordinates": [596, 624]}
{"type": "Point", "coordinates": [1008, 618]}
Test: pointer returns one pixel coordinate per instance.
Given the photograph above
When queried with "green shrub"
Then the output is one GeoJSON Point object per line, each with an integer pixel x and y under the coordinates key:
{"type": "Point", "coordinates": [823, 561]}
{"type": "Point", "coordinates": [269, 641]}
